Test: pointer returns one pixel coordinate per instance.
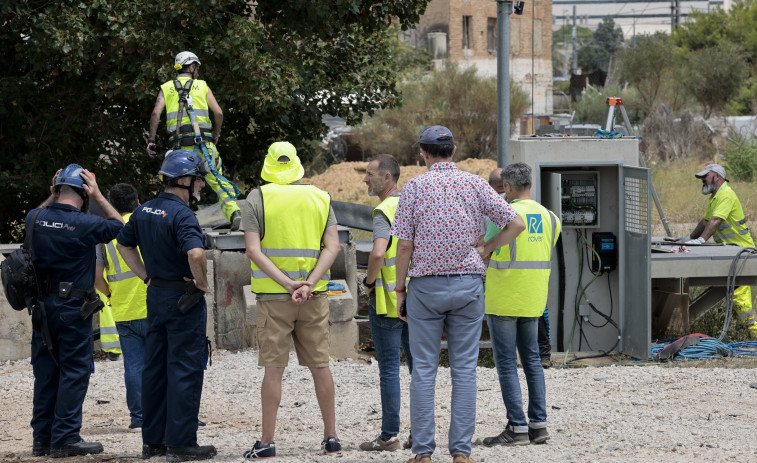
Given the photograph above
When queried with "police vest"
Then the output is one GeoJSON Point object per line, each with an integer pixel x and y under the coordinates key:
{"type": "Point", "coordinates": [128, 293]}
{"type": "Point", "coordinates": [198, 92]}
{"type": "Point", "coordinates": [386, 298]}
{"type": "Point", "coordinates": [517, 280]}
{"type": "Point", "coordinates": [733, 228]}
{"type": "Point", "coordinates": [295, 218]}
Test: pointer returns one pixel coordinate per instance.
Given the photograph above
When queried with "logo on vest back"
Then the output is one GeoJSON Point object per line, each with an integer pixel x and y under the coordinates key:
{"type": "Point", "coordinates": [534, 223]}
{"type": "Point", "coordinates": [152, 211]}
{"type": "Point", "coordinates": [58, 225]}
{"type": "Point", "coordinates": [535, 227]}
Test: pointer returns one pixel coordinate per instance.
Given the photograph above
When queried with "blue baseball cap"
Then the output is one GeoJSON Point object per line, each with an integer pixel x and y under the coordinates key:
{"type": "Point", "coordinates": [435, 135]}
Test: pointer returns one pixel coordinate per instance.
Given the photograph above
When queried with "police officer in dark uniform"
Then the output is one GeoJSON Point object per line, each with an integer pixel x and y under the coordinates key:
{"type": "Point", "coordinates": [172, 244]}
{"type": "Point", "coordinates": [63, 247]}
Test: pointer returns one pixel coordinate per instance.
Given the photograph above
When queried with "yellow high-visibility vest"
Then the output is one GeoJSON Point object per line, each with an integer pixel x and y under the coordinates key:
{"type": "Point", "coordinates": [128, 293]}
{"type": "Point", "coordinates": [295, 219]}
{"type": "Point", "coordinates": [733, 228]}
{"type": "Point", "coordinates": [198, 92]}
{"type": "Point", "coordinates": [109, 339]}
{"type": "Point", "coordinates": [386, 298]}
{"type": "Point", "coordinates": [517, 280]}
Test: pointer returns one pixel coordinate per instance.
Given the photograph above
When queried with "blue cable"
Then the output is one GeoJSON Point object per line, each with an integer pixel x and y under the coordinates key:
{"type": "Point", "coordinates": [711, 348]}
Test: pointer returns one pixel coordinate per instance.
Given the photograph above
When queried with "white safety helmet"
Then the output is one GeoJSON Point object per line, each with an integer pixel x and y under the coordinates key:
{"type": "Point", "coordinates": [185, 58]}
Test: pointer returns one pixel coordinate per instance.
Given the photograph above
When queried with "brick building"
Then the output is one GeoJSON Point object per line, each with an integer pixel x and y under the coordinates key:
{"type": "Point", "coordinates": [465, 31]}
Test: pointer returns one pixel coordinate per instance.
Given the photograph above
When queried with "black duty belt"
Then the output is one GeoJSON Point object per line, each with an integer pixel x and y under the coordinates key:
{"type": "Point", "coordinates": [169, 284]}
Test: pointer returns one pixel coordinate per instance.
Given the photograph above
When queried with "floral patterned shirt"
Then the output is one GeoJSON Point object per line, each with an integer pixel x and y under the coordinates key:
{"type": "Point", "coordinates": [443, 212]}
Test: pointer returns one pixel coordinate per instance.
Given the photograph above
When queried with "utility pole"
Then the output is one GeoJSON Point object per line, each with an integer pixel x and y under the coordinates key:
{"type": "Point", "coordinates": [504, 10]}
{"type": "Point", "coordinates": [574, 57]}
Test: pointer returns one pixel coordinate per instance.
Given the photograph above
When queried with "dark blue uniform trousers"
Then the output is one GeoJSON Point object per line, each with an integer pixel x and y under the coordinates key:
{"type": "Point", "coordinates": [172, 377]}
{"type": "Point", "coordinates": [59, 390]}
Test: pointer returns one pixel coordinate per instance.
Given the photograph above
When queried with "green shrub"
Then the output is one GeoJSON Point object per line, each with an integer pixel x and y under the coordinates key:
{"type": "Point", "coordinates": [454, 97]}
{"type": "Point", "coordinates": [741, 159]}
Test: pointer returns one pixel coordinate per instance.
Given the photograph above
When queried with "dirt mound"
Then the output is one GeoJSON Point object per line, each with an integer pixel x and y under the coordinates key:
{"type": "Point", "coordinates": [344, 181]}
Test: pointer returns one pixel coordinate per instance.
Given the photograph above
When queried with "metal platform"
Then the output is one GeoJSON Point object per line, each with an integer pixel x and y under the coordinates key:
{"type": "Point", "coordinates": [696, 265]}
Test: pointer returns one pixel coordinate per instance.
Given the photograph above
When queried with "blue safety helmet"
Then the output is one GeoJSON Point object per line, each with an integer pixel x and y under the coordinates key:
{"type": "Point", "coordinates": [71, 176]}
{"type": "Point", "coordinates": [179, 163]}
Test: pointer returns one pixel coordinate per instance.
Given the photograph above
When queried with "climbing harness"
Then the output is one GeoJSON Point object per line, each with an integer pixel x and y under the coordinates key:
{"type": "Point", "coordinates": [198, 137]}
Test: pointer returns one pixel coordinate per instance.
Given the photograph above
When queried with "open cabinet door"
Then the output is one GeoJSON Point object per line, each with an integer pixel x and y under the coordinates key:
{"type": "Point", "coordinates": [635, 263]}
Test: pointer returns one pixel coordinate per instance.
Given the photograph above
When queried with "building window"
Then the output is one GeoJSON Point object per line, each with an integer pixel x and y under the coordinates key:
{"type": "Point", "coordinates": [467, 32]}
{"type": "Point", "coordinates": [491, 35]}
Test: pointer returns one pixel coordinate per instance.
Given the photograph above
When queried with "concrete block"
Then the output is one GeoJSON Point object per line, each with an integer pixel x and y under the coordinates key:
{"type": "Point", "coordinates": [231, 274]}
{"type": "Point", "coordinates": [343, 340]}
{"type": "Point", "coordinates": [342, 306]}
{"type": "Point", "coordinates": [210, 301]}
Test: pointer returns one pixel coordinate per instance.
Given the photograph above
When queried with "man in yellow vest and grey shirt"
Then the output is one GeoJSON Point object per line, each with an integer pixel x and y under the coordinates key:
{"type": "Point", "coordinates": [127, 294]}
{"type": "Point", "coordinates": [517, 283]}
{"type": "Point", "coordinates": [724, 221]}
{"type": "Point", "coordinates": [204, 103]}
{"type": "Point", "coordinates": [291, 240]}
{"type": "Point", "coordinates": [389, 332]}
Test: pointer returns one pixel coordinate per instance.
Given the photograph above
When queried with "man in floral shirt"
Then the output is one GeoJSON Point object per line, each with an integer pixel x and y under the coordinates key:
{"type": "Point", "coordinates": [438, 223]}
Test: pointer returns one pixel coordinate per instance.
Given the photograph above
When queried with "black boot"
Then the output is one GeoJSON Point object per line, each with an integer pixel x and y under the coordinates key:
{"type": "Point", "coordinates": [236, 220]}
{"type": "Point", "coordinates": [151, 450]}
{"type": "Point", "coordinates": [77, 448]}
{"type": "Point", "coordinates": [205, 452]}
{"type": "Point", "coordinates": [40, 449]}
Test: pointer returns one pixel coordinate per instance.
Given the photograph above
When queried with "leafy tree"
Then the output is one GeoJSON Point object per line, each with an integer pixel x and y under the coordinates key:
{"type": "Point", "coordinates": [456, 98]}
{"type": "Point", "coordinates": [606, 40]}
{"type": "Point", "coordinates": [714, 75]}
{"type": "Point", "coordinates": [647, 67]}
{"type": "Point", "coordinates": [79, 80]}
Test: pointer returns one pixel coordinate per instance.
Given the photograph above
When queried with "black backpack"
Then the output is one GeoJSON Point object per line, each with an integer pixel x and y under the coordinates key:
{"type": "Point", "coordinates": [18, 274]}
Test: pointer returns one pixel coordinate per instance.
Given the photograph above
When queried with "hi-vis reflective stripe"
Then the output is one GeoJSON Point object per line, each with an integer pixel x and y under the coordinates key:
{"type": "Point", "coordinates": [312, 253]}
{"type": "Point", "coordinates": [744, 315]}
{"type": "Point", "coordinates": [198, 113]}
{"type": "Point", "coordinates": [520, 265]}
{"type": "Point", "coordinates": [203, 125]}
{"type": "Point", "coordinates": [108, 330]}
{"type": "Point", "coordinates": [294, 275]}
{"type": "Point", "coordinates": [119, 275]}
{"type": "Point", "coordinates": [724, 236]}
{"type": "Point", "coordinates": [388, 286]}
{"type": "Point", "coordinates": [390, 262]}
{"type": "Point", "coordinates": [110, 345]}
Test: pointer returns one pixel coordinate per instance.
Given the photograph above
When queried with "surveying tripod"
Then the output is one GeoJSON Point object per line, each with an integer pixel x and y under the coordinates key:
{"type": "Point", "coordinates": [614, 103]}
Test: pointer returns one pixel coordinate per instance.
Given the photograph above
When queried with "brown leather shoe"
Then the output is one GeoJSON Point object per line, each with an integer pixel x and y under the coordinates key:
{"type": "Point", "coordinates": [462, 458]}
{"type": "Point", "coordinates": [422, 458]}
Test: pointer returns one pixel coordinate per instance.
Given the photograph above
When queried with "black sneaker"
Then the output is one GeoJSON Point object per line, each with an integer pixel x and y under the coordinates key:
{"type": "Point", "coordinates": [260, 451]}
{"type": "Point", "coordinates": [135, 426]}
{"type": "Point", "coordinates": [508, 437]}
{"type": "Point", "coordinates": [408, 444]}
{"type": "Point", "coordinates": [538, 436]}
{"type": "Point", "coordinates": [77, 448]}
{"type": "Point", "coordinates": [152, 450]}
{"type": "Point", "coordinates": [40, 449]}
{"type": "Point", "coordinates": [331, 445]}
{"type": "Point", "coordinates": [197, 452]}
{"type": "Point", "coordinates": [200, 423]}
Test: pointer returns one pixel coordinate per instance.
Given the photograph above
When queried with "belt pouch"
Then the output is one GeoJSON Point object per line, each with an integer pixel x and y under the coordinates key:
{"type": "Point", "coordinates": [64, 289]}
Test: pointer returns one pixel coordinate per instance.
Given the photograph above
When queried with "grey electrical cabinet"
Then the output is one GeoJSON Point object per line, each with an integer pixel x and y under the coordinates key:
{"type": "Point", "coordinates": [602, 198]}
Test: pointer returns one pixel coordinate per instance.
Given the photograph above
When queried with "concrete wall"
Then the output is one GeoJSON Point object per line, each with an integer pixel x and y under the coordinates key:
{"type": "Point", "coordinates": [15, 330]}
{"type": "Point", "coordinates": [234, 308]}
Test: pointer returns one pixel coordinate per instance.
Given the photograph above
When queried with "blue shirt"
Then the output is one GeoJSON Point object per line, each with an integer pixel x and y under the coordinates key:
{"type": "Point", "coordinates": [164, 229]}
{"type": "Point", "coordinates": [64, 243]}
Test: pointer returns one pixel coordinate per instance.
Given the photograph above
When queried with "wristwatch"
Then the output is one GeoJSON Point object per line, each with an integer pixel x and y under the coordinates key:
{"type": "Point", "coordinates": [365, 282]}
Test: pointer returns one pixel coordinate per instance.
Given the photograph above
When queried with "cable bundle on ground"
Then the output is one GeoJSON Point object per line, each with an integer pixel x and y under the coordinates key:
{"type": "Point", "coordinates": [710, 348]}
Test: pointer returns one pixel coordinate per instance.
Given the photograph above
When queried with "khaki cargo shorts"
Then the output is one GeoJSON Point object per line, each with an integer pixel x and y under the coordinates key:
{"type": "Point", "coordinates": [307, 325]}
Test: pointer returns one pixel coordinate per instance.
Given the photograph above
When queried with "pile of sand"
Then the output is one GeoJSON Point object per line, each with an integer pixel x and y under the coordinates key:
{"type": "Point", "coordinates": [344, 181]}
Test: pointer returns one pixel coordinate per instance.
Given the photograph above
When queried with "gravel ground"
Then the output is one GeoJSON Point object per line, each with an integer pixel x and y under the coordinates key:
{"type": "Point", "coordinates": [615, 413]}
